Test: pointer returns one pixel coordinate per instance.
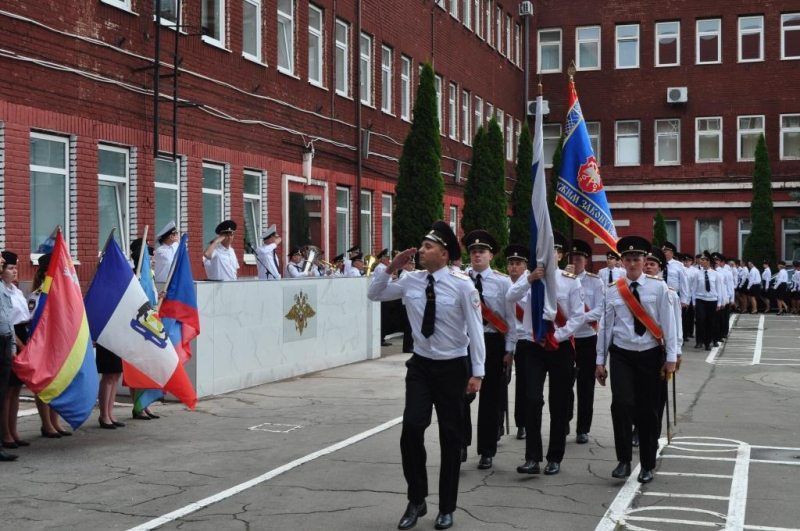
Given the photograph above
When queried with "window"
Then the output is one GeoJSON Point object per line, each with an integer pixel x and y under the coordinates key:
{"type": "Point", "coordinates": [516, 45]}
{"type": "Point", "coordinates": [489, 113]}
{"type": "Point", "coordinates": [627, 143]}
{"type": "Point", "coordinates": [213, 213]}
{"type": "Point", "coordinates": [342, 219]}
{"type": "Point", "coordinates": [551, 136]}
{"type": "Point", "coordinates": [315, 46]}
{"type": "Point", "coordinates": [509, 138]}
{"type": "Point", "coordinates": [286, 36]}
{"type": "Point", "coordinates": [366, 69]}
{"type": "Point", "coordinates": [478, 30]}
{"type": "Point", "coordinates": [668, 142]}
{"type": "Point", "coordinates": [628, 46]}
{"type": "Point", "coordinates": [386, 79]}
{"type": "Point", "coordinates": [366, 222]}
{"type": "Point", "coordinates": [673, 231]}
{"type": "Point", "coordinates": [790, 136]}
{"type": "Point", "coordinates": [709, 140]}
{"type": "Point", "coordinates": [452, 106]}
{"type": "Point", "coordinates": [167, 190]}
{"type": "Point", "coordinates": [454, 219]}
{"type": "Point", "coordinates": [709, 235]}
{"type": "Point", "coordinates": [509, 53]}
{"type": "Point", "coordinates": [169, 12]}
{"type": "Point", "coordinates": [467, 14]}
{"type": "Point", "coordinates": [501, 123]}
{"type": "Point", "coordinates": [751, 39]}
{"type": "Point", "coordinates": [478, 113]}
{"type": "Point", "coordinates": [49, 188]}
{"type": "Point", "coordinates": [251, 29]}
{"type": "Point", "coordinates": [498, 30]}
{"type": "Point", "coordinates": [122, 4]}
{"type": "Point", "coordinates": [791, 239]}
{"type": "Point", "coordinates": [668, 44]}
{"type": "Point", "coordinates": [342, 54]}
{"type": "Point", "coordinates": [489, 23]}
{"type": "Point", "coordinates": [112, 195]}
{"type": "Point", "coordinates": [454, 8]}
{"type": "Point", "coordinates": [790, 36]}
{"type": "Point", "coordinates": [438, 82]}
{"type": "Point", "coordinates": [750, 128]}
{"type": "Point", "coordinates": [549, 52]}
{"type": "Point", "coordinates": [405, 88]}
{"type": "Point", "coordinates": [465, 116]}
{"type": "Point", "coordinates": [519, 132]}
{"type": "Point", "coordinates": [709, 42]}
{"type": "Point", "coordinates": [386, 221]}
{"type": "Point", "coordinates": [252, 209]}
{"type": "Point", "coordinates": [213, 21]}
{"type": "Point", "coordinates": [744, 232]}
{"type": "Point", "coordinates": [588, 48]}
{"type": "Point", "coordinates": [593, 128]}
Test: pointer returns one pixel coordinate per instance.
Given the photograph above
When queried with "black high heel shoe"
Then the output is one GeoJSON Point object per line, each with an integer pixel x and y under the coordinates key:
{"type": "Point", "coordinates": [64, 433]}
{"type": "Point", "coordinates": [105, 426]}
{"type": "Point", "coordinates": [10, 445]}
{"type": "Point", "coordinates": [47, 435]}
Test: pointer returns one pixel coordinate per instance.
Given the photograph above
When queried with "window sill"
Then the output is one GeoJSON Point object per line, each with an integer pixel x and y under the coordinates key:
{"type": "Point", "coordinates": [388, 113]}
{"type": "Point", "coordinates": [666, 164]}
{"type": "Point", "coordinates": [543, 72]}
{"type": "Point", "coordinates": [751, 60]}
{"type": "Point", "coordinates": [708, 161]}
{"type": "Point", "coordinates": [588, 69]}
{"type": "Point", "coordinates": [288, 73]}
{"type": "Point", "coordinates": [345, 96]}
{"type": "Point", "coordinates": [703, 63]}
{"type": "Point", "coordinates": [370, 105]}
{"type": "Point", "coordinates": [745, 160]}
{"type": "Point", "coordinates": [627, 67]}
{"type": "Point", "coordinates": [668, 66]}
{"type": "Point", "coordinates": [121, 8]}
{"type": "Point", "coordinates": [35, 258]}
{"type": "Point", "coordinates": [631, 165]}
{"type": "Point", "coordinates": [318, 85]}
{"type": "Point", "coordinates": [790, 58]}
{"type": "Point", "coordinates": [253, 59]}
{"type": "Point", "coordinates": [215, 43]}
{"type": "Point", "coordinates": [250, 259]}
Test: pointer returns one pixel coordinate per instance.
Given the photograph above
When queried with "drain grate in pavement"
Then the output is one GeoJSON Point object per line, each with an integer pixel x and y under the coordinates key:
{"type": "Point", "coordinates": [274, 428]}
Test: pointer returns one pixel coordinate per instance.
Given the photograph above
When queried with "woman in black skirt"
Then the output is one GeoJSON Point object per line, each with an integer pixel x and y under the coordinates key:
{"type": "Point", "coordinates": [109, 365]}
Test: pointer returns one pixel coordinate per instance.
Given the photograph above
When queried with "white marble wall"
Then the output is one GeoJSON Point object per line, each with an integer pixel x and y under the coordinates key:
{"type": "Point", "coordinates": [246, 340]}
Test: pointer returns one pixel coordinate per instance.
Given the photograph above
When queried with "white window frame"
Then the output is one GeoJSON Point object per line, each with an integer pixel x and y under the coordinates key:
{"type": "Point", "coordinates": [579, 41]}
{"type": "Point", "coordinates": [498, 29]}
{"type": "Point", "coordinates": [453, 222]}
{"type": "Point", "coordinates": [437, 80]}
{"type": "Point", "coordinates": [452, 111]}
{"type": "Point", "coordinates": [697, 234]}
{"type": "Point", "coordinates": [677, 36]}
{"type": "Point", "coordinates": [618, 39]}
{"type": "Point", "coordinates": [478, 15]}
{"type": "Point", "coordinates": [677, 223]}
{"type": "Point", "coordinates": [754, 132]}
{"type": "Point", "coordinates": [255, 198]}
{"type": "Point", "coordinates": [387, 79]}
{"type": "Point", "coordinates": [174, 187]}
{"type": "Point", "coordinates": [509, 50]}
{"type": "Point", "coordinates": [784, 29]}
{"type": "Point", "coordinates": [489, 23]}
{"type": "Point", "coordinates": [787, 130]}
{"type": "Point", "coordinates": [478, 122]}
{"type": "Point", "coordinates": [319, 34]}
{"type": "Point", "coordinates": [717, 34]}
{"type": "Point", "coordinates": [290, 19]}
{"type": "Point", "coordinates": [344, 47]}
{"type": "Point", "coordinates": [123, 220]}
{"type": "Point", "coordinates": [490, 113]}
{"type": "Point", "coordinates": [742, 232]}
{"type": "Point", "coordinates": [517, 44]}
{"type": "Point", "coordinates": [509, 138]}
{"type": "Point", "coordinates": [454, 8]}
{"type": "Point", "coordinates": [539, 69]}
{"type": "Point", "coordinates": [699, 134]}
{"type": "Point", "coordinates": [518, 133]}
{"type": "Point", "coordinates": [211, 191]}
{"type": "Point", "coordinates": [467, 13]}
{"type": "Point", "coordinates": [616, 142]}
{"type": "Point", "coordinates": [247, 55]}
{"type": "Point", "coordinates": [221, 15]}
{"type": "Point", "coordinates": [125, 5]}
{"type": "Point", "coordinates": [346, 211]}
{"type": "Point", "coordinates": [165, 22]}
{"type": "Point", "coordinates": [547, 137]}
{"type": "Point", "coordinates": [501, 122]}
{"type": "Point", "coordinates": [750, 32]}
{"type": "Point", "coordinates": [785, 232]}
{"type": "Point", "coordinates": [656, 135]}
{"type": "Point", "coordinates": [366, 199]}
{"type": "Point", "coordinates": [406, 73]}
{"type": "Point", "coordinates": [65, 172]}
{"type": "Point", "coordinates": [366, 68]}
{"type": "Point", "coordinates": [466, 99]}
{"type": "Point", "coordinates": [598, 136]}
{"type": "Point", "coordinates": [384, 217]}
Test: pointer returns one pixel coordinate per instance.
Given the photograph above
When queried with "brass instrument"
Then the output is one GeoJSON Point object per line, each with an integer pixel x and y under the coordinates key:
{"type": "Point", "coordinates": [370, 261]}
{"type": "Point", "coordinates": [310, 253]}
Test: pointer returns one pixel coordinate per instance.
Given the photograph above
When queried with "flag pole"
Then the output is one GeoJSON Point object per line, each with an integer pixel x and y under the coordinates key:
{"type": "Point", "coordinates": [169, 279]}
{"type": "Point", "coordinates": [103, 252]}
{"type": "Point", "coordinates": [141, 253]}
{"type": "Point", "coordinates": [571, 71]}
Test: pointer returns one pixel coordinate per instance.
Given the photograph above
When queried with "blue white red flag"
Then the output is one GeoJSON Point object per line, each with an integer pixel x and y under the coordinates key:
{"type": "Point", "coordinates": [142, 398]}
{"type": "Point", "coordinates": [179, 309]}
{"type": "Point", "coordinates": [580, 191]}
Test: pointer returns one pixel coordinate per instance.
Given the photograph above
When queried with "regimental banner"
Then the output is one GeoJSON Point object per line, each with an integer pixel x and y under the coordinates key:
{"type": "Point", "coordinates": [300, 313]}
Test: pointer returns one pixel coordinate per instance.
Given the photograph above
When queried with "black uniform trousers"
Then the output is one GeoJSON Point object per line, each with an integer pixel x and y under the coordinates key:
{"type": "Point", "coordinates": [520, 367]}
{"type": "Point", "coordinates": [586, 358]}
{"type": "Point", "coordinates": [558, 364]}
{"type": "Point", "coordinates": [706, 317]}
{"type": "Point", "coordinates": [635, 391]}
{"type": "Point", "coordinates": [687, 320]}
{"type": "Point", "coordinates": [493, 390]}
{"type": "Point", "coordinates": [441, 384]}
{"type": "Point", "coordinates": [5, 365]}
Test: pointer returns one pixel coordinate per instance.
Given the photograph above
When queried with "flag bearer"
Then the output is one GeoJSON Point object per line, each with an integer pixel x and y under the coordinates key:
{"type": "Point", "coordinates": [517, 260]}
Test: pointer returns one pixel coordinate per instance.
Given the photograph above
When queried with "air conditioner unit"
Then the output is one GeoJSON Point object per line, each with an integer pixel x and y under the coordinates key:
{"type": "Point", "coordinates": [677, 95]}
{"type": "Point", "coordinates": [532, 108]}
{"type": "Point", "coordinates": [526, 9]}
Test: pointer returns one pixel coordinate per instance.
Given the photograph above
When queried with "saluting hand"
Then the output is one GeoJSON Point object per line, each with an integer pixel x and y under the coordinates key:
{"type": "Point", "coordinates": [400, 260]}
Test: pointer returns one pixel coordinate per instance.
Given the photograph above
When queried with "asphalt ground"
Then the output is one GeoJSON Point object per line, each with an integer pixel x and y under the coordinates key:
{"type": "Point", "coordinates": [322, 452]}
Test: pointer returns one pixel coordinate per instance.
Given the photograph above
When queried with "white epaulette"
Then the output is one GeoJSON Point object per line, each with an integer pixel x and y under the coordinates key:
{"type": "Point", "coordinates": [592, 275]}
{"type": "Point", "coordinates": [459, 274]}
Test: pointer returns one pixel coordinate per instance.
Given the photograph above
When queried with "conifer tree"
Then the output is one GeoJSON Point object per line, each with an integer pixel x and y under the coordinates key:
{"type": "Point", "coordinates": [520, 224]}
{"type": "Point", "coordinates": [659, 230]}
{"type": "Point", "coordinates": [760, 244]}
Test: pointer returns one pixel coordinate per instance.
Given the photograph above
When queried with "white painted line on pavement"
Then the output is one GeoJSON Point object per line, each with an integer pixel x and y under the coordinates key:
{"type": "Point", "coordinates": [27, 413]}
{"type": "Point", "coordinates": [225, 494]}
{"type": "Point", "coordinates": [771, 462]}
{"type": "Point", "coordinates": [738, 497]}
{"type": "Point", "coordinates": [759, 341]}
{"type": "Point", "coordinates": [714, 351]}
{"type": "Point", "coordinates": [692, 496]}
{"type": "Point", "coordinates": [788, 448]}
{"type": "Point", "coordinates": [667, 521]}
{"type": "Point", "coordinates": [695, 475]}
{"type": "Point", "coordinates": [767, 528]}
{"type": "Point", "coordinates": [698, 458]}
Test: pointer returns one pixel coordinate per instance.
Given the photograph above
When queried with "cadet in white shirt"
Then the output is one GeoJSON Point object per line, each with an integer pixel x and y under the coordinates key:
{"type": "Point", "coordinates": [355, 266]}
{"type": "Point", "coordinates": [676, 277]}
{"type": "Point", "coordinates": [781, 287]}
{"type": "Point", "coordinates": [267, 263]}
{"type": "Point", "coordinates": [220, 258]}
{"type": "Point", "coordinates": [295, 267]}
{"type": "Point", "coordinates": [169, 240]}
{"type": "Point", "coordinates": [766, 281]}
{"type": "Point", "coordinates": [517, 260]}
{"type": "Point", "coordinates": [753, 286]}
{"type": "Point", "coordinates": [708, 296]}
{"type": "Point", "coordinates": [611, 272]}
{"type": "Point", "coordinates": [444, 313]}
{"type": "Point", "coordinates": [688, 319]}
{"type": "Point", "coordinates": [383, 261]}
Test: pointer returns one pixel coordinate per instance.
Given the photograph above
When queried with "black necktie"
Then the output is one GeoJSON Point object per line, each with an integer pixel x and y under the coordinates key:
{"type": "Point", "coordinates": [430, 309]}
{"type": "Point", "coordinates": [610, 278]}
{"type": "Point", "coordinates": [638, 326]}
{"type": "Point", "coordinates": [708, 283]}
{"type": "Point", "coordinates": [479, 287]}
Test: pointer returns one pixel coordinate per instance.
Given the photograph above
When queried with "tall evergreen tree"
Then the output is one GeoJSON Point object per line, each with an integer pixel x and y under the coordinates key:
{"type": "Point", "coordinates": [760, 244]}
{"type": "Point", "coordinates": [659, 230]}
{"type": "Point", "coordinates": [420, 188]}
{"type": "Point", "coordinates": [558, 219]}
{"type": "Point", "coordinates": [520, 224]}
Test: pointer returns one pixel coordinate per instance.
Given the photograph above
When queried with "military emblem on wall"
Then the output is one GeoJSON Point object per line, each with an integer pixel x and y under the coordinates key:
{"type": "Point", "coordinates": [300, 314]}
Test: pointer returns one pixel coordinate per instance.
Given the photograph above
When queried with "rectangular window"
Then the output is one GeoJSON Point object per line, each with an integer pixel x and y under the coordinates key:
{"type": "Point", "coordinates": [744, 232]}
{"type": "Point", "coordinates": [213, 213]}
{"type": "Point", "coordinates": [628, 46]}
{"type": "Point", "coordinates": [751, 39]}
{"type": "Point", "coordinates": [509, 53]}
{"type": "Point", "coordinates": [465, 116]}
{"type": "Point", "coordinates": [498, 30]}
{"type": "Point", "coordinates": [587, 45]}
{"type": "Point", "coordinates": [49, 168]}
{"type": "Point", "coordinates": [593, 128]}
{"type": "Point", "coordinates": [405, 88]}
{"type": "Point", "coordinates": [549, 51]}
{"type": "Point", "coordinates": [342, 219]}
{"type": "Point", "coordinates": [366, 69]}
{"type": "Point", "coordinates": [709, 42]}
{"type": "Point", "coordinates": [790, 36]}
{"type": "Point", "coordinates": [749, 129]}
{"type": "Point", "coordinates": [790, 136]}
{"type": "Point", "coordinates": [478, 113]}
{"type": "Point", "coordinates": [169, 12]}
{"type": "Point", "coordinates": [315, 46]}
{"type": "Point", "coordinates": [518, 133]}
{"type": "Point", "coordinates": [509, 138]}
{"type": "Point", "coordinates": [478, 15]}
{"type": "Point", "coordinates": [516, 45]}
{"type": "Point", "coordinates": [454, 8]}
{"type": "Point", "coordinates": [501, 123]}
{"type": "Point", "coordinates": [251, 29]}
{"type": "Point", "coordinates": [286, 36]}
{"type": "Point", "coordinates": [467, 15]}
{"type": "Point", "coordinates": [167, 191]}
{"type": "Point", "coordinates": [213, 21]}
{"type": "Point", "coordinates": [252, 210]}
{"type": "Point", "coordinates": [673, 231]}
{"type": "Point", "coordinates": [366, 222]}
{"type": "Point", "coordinates": [122, 4]}
{"type": "Point", "coordinates": [668, 44]}
{"type": "Point", "coordinates": [452, 106]}
{"type": "Point", "coordinates": [112, 195]}
{"type": "Point", "coordinates": [709, 235]}
{"type": "Point", "coordinates": [386, 221]}
{"type": "Point", "coordinates": [454, 219]}
{"type": "Point", "coordinates": [627, 143]}
{"type": "Point", "coordinates": [668, 142]}
{"type": "Point", "coordinates": [551, 136]}
{"type": "Point", "coordinates": [708, 143]}
{"type": "Point", "coordinates": [489, 113]}
{"type": "Point", "coordinates": [489, 23]}
{"type": "Point", "coordinates": [342, 61]}
{"type": "Point", "coordinates": [438, 83]}
{"type": "Point", "coordinates": [386, 79]}
{"type": "Point", "coordinates": [791, 239]}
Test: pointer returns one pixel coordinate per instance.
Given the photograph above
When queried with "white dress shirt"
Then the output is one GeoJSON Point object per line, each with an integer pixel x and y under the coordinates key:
{"type": "Point", "coordinates": [754, 277]}
{"type": "Point", "coordinates": [495, 287]}
{"type": "Point", "coordinates": [766, 277]}
{"type": "Point", "coordinates": [223, 264]}
{"type": "Point", "coordinates": [727, 274]}
{"type": "Point", "coordinates": [716, 291]}
{"type": "Point", "coordinates": [781, 277]}
{"type": "Point", "coordinates": [519, 322]}
{"type": "Point", "coordinates": [380, 267]}
{"type": "Point", "coordinates": [458, 316]}
{"type": "Point", "coordinates": [617, 324]}
{"type": "Point", "coordinates": [615, 274]}
{"type": "Point", "coordinates": [677, 280]}
{"type": "Point", "coordinates": [19, 305]}
{"type": "Point", "coordinates": [570, 299]}
{"type": "Point", "coordinates": [295, 270]}
{"type": "Point", "coordinates": [741, 273]}
{"type": "Point", "coordinates": [164, 255]}
{"type": "Point", "coordinates": [675, 301]}
{"type": "Point", "coordinates": [594, 290]}
{"type": "Point", "coordinates": [267, 262]}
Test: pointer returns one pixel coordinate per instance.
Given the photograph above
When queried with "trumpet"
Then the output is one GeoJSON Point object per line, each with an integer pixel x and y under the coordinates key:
{"type": "Point", "coordinates": [370, 261]}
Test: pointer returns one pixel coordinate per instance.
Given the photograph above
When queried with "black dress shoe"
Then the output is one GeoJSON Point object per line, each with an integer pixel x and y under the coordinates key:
{"type": "Point", "coordinates": [622, 471]}
{"type": "Point", "coordinates": [7, 457]}
{"type": "Point", "coordinates": [10, 445]}
{"type": "Point", "coordinates": [64, 433]}
{"type": "Point", "coordinates": [552, 468]}
{"type": "Point", "coordinates": [485, 463]}
{"type": "Point", "coordinates": [47, 435]}
{"type": "Point", "coordinates": [444, 521]}
{"type": "Point", "coordinates": [582, 438]}
{"type": "Point", "coordinates": [385, 343]}
{"type": "Point", "coordinates": [521, 433]}
{"type": "Point", "coordinates": [530, 467]}
{"type": "Point", "coordinates": [21, 443]}
{"type": "Point", "coordinates": [151, 414]}
{"type": "Point", "coordinates": [645, 476]}
{"type": "Point", "coordinates": [708, 348]}
{"type": "Point", "coordinates": [698, 346]}
{"type": "Point", "coordinates": [716, 343]}
{"type": "Point", "coordinates": [635, 441]}
{"type": "Point", "coordinates": [118, 424]}
{"type": "Point", "coordinates": [463, 455]}
{"type": "Point", "coordinates": [412, 514]}
{"type": "Point", "coordinates": [105, 426]}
